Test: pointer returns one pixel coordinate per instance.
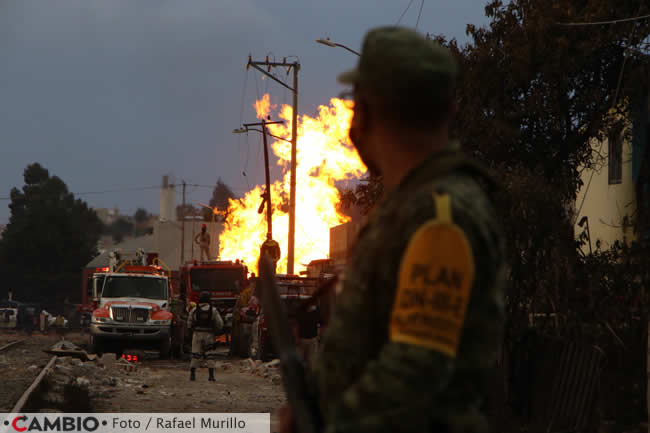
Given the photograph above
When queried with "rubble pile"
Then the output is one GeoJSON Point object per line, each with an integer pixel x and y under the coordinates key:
{"type": "Point", "coordinates": [76, 383]}
{"type": "Point", "coordinates": [267, 370]}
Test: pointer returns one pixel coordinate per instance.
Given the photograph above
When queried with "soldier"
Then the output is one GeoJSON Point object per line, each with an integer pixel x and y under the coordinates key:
{"type": "Point", "coordinates": [205, 321]}
{"type": "Point", "coordinates": [203, 239]}
{"type": "Point", "coordinates": [418, 323]}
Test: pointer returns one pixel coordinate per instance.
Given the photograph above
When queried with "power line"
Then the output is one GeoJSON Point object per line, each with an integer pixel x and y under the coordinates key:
{"type": "Point", "coordinates": [142, 188]}
{"type": "Point", "coordinates": [116, 190]}
{"type": "Point", "coordinates": [404, 13]}
{"type": "Point", "coordinates": [419, 14]}
{"type": "Point", "coordinates": [599, 23]}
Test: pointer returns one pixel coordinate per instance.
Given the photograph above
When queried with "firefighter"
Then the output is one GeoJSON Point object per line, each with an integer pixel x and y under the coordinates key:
{"type": "Point", "coordinates": [205, 321]}
{"type": "Point", "coordinates": [203, 240]}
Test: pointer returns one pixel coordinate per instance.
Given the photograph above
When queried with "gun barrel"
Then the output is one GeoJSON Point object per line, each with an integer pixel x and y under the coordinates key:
{"type": "Point", "coordinates": [306, 414]}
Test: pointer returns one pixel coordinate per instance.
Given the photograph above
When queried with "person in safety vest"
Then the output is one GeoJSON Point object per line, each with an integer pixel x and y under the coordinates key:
{"type": "Point", "coordinates": [205, 321]}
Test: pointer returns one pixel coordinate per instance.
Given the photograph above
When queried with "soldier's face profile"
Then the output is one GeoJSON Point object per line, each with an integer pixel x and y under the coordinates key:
{"type": "Point", "coordinates": [359, 135]}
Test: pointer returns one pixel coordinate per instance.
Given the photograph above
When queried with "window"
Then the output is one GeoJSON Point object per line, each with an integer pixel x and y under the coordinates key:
{"type": "Point", "coordinates": [135, 287]}
{"type": "Point", "coordinates": [615, 157]}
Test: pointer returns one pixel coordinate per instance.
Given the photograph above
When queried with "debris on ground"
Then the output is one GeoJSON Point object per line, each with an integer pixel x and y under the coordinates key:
{"type": "Point", "coordinates": [68, 348]}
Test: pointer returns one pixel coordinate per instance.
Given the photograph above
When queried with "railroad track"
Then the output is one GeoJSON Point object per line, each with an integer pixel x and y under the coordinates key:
{"type": "Point", "coordinates": [10, 345]}
{"type": "Point", "coordinates": [24, 365]}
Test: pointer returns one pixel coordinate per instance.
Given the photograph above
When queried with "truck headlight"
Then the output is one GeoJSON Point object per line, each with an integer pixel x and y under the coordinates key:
{"type": "Point", "coordinates": [95, 319]}
{"type": "Point", "coordinates": [161, 322]}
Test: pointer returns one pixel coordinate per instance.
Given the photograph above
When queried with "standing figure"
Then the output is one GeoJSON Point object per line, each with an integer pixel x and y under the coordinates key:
{"type": "Point", "coordinates": [203, 239]}
{"type": "Point", "coordinates": [205, 321]}
{"type": "Point", "coordinates": [418, 324]}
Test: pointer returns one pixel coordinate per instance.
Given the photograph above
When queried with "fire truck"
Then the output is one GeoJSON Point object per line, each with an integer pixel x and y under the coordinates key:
{"type": "Point", "coordinates": [133, 308]}
{"type": "Point", "coordinates": [223, 279]}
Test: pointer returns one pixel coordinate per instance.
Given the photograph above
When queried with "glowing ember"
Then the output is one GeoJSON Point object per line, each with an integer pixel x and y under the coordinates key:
{"type": "Point", "coordinates": [325, 156]}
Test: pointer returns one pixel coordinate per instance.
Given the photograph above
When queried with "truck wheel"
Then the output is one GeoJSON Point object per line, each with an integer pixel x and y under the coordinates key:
{"type": "Point", "coordinates": [166, 346]}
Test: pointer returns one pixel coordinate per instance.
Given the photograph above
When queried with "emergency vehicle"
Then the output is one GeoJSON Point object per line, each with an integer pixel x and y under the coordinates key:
{"type": "Point", "coordinates": [133, 308]}
{"type": "Point", "coordinates": [223, 279]}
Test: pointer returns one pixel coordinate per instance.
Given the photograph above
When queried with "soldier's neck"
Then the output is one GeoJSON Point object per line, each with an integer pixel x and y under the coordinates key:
{"type": "Point", "coordinates": [399, 160]}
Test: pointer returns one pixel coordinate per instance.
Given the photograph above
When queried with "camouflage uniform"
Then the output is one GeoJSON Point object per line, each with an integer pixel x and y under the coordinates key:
{"type": "Point", "coordinates": [384, 367]}
{"type": "Point", "coordinates": [204, 336]}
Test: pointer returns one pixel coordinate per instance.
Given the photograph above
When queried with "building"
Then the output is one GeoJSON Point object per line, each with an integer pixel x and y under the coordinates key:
{"type": "Point", "coordinates": [342, 237]}
{"type": "Point", "coordinates": [168, 236]}
{"type": "Point", "coordinates": [612, 204]}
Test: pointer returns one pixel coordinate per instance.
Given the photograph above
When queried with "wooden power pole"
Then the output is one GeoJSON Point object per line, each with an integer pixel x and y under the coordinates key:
{"type": "Point", "coordinates": [267, 194]}
{"type": "Point", "coordinates": [294, 139]}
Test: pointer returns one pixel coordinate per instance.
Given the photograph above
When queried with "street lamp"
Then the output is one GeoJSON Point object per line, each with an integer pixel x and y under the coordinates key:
{"type": "Point", "coordinates": [330, 43]}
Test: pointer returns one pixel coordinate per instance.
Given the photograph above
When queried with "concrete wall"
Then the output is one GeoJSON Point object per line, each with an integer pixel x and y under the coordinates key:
{"type": "Point", "coordinates": [607, 206]}
{"type": "Point", "coordinates": [342, 237]}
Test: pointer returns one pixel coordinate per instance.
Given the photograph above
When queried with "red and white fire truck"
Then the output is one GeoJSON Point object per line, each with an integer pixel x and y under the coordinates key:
{"type": "Point", "coordinates": [223, 279]}
{"type": "Point", "coordinates": [133, 308]}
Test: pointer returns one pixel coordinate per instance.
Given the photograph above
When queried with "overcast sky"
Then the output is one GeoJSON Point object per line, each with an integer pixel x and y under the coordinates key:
{"type": "Point", "coordinates": [112, 94]}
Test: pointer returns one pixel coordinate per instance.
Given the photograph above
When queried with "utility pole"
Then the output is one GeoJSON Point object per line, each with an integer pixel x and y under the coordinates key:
{"type": "Point", "coordinates": [294, 140]}
{"type": "Point", "coordinates": [183, 227]}
{"type": "Point", "coordinates": [267, 194]}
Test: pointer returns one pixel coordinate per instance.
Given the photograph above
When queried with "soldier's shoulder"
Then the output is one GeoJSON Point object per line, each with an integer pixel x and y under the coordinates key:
{"type": "Point", "coordinates": [470, 204]}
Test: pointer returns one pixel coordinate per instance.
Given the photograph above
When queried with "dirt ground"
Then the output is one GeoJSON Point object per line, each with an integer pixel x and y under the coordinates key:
{"type": "Point", "coordinates": [159, 386]}
{"type": "Point", "coordinates": [149, 386]}
{"type": "Point", "coordinates": [20, 364]}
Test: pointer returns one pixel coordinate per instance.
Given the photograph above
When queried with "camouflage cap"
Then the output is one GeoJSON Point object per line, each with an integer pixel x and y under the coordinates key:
{"type": "Point", "coordinates": [395, 60]}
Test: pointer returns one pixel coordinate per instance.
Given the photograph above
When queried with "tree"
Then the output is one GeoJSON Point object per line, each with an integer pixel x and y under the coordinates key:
{"type": "Point", "coordinates": [221, 196]}
{"type": "Point", "coordinates": [50, 237]}
{"type": "Point", "coordinates": [550, 87]}
{"type": "Point", "coordinates": [141, 216]}
{"type": "Point", "coordinates": [550, 92]}
{"type": "Point", "coordinates": [119, 229]}
{"type": "Point", "coordinates": [364, 196]}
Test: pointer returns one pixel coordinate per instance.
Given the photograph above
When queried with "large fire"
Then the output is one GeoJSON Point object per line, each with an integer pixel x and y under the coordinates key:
{"type": "Point", "coordinates": [325, 156]}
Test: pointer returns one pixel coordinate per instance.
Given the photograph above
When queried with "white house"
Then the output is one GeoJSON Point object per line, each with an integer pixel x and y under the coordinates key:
{"type": "Point", "coordinates": [613, 200]}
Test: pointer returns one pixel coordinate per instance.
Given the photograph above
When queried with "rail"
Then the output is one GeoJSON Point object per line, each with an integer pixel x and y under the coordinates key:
{"type": "Point", "coordinates": [24, 399]}
{"type": "Point", "coordinates": [10, 345]}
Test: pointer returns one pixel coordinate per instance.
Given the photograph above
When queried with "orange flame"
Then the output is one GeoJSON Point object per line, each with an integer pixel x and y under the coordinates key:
{"type": "Point", "coordinates": [263, 107]}
{"type": "Point", "coordinates": [325, 156]}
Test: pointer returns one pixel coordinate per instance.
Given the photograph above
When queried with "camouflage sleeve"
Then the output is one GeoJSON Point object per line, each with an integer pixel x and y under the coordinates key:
{"type": "Point", "coordinates": [376, 402]}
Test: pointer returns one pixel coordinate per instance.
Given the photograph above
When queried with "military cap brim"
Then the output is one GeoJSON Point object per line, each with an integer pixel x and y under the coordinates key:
{"type": "Point", "coordinates": [349, 77]}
